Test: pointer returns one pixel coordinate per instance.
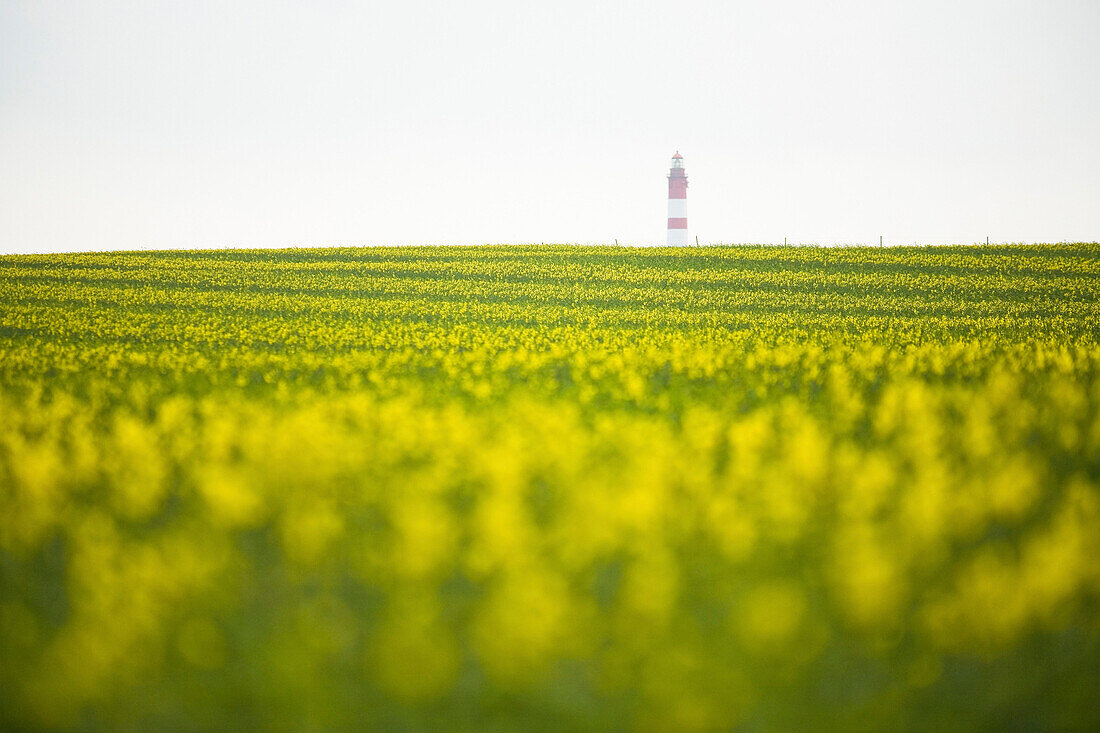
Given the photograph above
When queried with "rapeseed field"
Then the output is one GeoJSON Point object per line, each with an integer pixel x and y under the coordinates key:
{"type": "Point", "coordinates": [547, 488]}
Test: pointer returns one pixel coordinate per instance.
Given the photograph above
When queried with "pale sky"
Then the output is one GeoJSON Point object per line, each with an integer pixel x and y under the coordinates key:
{"type": "Point", "coordinates": [270, 124]}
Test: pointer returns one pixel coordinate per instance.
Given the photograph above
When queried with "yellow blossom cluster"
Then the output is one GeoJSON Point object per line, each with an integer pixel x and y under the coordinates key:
{"type": "Point", "coordinates": [548, 487]}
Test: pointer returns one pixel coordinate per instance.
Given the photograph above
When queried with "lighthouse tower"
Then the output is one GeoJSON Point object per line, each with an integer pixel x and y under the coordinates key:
{"type": "Point", "coordinates": [677, 203]}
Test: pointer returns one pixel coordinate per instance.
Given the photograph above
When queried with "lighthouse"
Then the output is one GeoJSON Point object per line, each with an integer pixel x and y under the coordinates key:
{"type": "Point", "coordinates": [677, 203]}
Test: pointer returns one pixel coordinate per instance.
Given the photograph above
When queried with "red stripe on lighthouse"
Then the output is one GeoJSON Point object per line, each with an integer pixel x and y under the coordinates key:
{"type": "Point", "coordinates": [678, 223]}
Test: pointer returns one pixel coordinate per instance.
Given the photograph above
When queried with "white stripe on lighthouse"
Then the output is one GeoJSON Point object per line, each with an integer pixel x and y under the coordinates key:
{"type": "Point", "coordinates": [678, 238]}
{"type": "Point", "coordinates": [677, 208]}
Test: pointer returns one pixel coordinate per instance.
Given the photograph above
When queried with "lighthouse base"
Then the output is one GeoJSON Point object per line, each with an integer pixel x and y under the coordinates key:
{"type": "Point", "coordinates": [679, 238]}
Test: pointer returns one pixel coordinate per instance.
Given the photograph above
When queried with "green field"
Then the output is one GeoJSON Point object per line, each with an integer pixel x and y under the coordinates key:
{"type": "Point", "coordinates": [551, 488]}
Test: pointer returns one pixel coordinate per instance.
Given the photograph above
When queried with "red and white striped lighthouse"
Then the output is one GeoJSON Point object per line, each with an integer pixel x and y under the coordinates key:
{"type": "Point", "coordinates": [677, 203]}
